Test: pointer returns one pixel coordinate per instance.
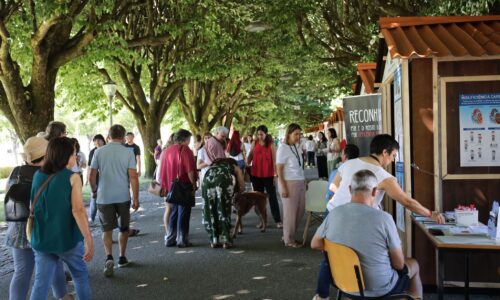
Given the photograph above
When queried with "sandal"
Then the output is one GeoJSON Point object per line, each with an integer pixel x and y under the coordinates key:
{"type": "Point", "coordinates": [294, 245]}
{"type": "Point", "coordinates": [134, 232]}
{"type": "Point", "coordinates": [279, 225]}
{"type": "Point", "coordinates": [227, 245]}
{"type": "Point", "coordinates": [213, 246]}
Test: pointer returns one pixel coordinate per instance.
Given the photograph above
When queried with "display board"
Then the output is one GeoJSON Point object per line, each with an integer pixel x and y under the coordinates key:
{"type": "Point", "coordinates": [363, 120]}
{"type": "Point", "coordinates": [479, 129]}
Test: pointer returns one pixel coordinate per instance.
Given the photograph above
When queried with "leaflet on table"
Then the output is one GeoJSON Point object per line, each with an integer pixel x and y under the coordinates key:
{"type": "Point", "coordinates": [479, 130]}
{"type": "Point", "coordinates": [493, 226]}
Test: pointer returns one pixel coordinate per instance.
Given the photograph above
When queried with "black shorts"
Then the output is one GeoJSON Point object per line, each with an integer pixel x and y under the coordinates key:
{"type": "Point", "coordinates": [402, 284]}
{"type": "Point", "coordinates": [110, 213]}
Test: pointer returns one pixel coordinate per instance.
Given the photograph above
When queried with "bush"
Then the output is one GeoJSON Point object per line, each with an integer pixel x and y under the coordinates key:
{"type": "Point", "coordinates": [5, 172]}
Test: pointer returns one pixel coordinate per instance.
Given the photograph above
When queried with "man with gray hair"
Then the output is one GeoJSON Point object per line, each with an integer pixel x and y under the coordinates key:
{"type": "Point", "coordinates": [373, 235]}
{"type": "Point", "coordinates": [215, 145]}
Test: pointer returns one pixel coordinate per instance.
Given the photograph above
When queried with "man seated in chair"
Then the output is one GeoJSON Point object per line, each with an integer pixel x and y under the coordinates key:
{"type": "Point", "coordinates": [372, 234]}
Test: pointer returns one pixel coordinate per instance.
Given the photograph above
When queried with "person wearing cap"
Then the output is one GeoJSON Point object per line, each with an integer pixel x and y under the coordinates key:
{"type": "Point", "coordinates": [22, 254]}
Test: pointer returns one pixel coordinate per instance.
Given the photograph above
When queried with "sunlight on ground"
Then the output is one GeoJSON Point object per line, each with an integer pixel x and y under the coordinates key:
{"type": "Point", "coordinates": [237, 252]}
{"type": "Point", "coordinates": [243, 292]}
{"type": "Point", "coordinates": [287, 260]}
{"type": "Point", "coordinates": [266, 265]}
{"type": "Point", "coordinates": [142, 285]}
{"type": "Point", "coordinates": [138, 247]}
{"type": "Point", "coordinates": [153, 242]}
{"type": "Point", "coordinates": [259, 277]}
{"type": "Point", "coordinates": [184, 252]}
{"type": "Point", "coordinates": [220, 297]}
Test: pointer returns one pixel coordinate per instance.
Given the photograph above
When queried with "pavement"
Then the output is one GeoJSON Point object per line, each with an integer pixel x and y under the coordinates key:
{"type": "Point", "coordinates": [258, 267]}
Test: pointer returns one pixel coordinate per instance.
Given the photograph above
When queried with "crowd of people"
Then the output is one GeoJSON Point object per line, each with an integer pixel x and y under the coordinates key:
{"type": "Point", "coordinates": [220, 166]}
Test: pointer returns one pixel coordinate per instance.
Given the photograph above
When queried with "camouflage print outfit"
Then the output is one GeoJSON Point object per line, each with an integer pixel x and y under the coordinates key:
{"type": "Point", "coordinates": [217, 192]}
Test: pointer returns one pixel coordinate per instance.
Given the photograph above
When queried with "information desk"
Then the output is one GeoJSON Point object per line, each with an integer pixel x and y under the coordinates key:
{"type": "Point", "coordinates": [466, 244]}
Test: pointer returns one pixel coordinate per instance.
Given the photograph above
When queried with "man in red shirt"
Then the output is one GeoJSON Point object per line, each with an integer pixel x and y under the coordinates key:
{"type": "Point", "coordinates": [178, 161]}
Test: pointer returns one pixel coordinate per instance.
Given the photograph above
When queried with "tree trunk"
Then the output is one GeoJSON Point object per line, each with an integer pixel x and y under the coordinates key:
{"type": "Point", "coordinates": [150, 133]}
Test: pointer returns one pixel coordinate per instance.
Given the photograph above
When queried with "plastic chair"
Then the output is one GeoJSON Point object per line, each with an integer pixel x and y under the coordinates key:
{"type": "Point", "coordinates": [315, 203]}
{"type": "Point", "coordinates": [346, 272]}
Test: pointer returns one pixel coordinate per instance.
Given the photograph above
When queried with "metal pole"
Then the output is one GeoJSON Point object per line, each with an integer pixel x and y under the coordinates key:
{"type": "Point", "coordinates": [110, 111]}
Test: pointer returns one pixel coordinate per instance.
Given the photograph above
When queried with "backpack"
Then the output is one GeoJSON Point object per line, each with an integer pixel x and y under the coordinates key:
{"type": "Point", "coordinates": [17, 198]}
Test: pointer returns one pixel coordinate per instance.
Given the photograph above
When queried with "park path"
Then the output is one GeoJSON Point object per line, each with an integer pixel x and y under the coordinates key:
{"type": "Point", "coordinates": [259, 267]}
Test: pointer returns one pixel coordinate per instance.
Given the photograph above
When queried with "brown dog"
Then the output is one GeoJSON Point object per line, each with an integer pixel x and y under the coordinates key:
{"type": "Point", "coordinates": [243, 203]}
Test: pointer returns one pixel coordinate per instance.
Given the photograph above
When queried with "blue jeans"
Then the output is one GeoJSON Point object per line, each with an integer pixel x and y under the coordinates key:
{"type": "Point", "coordinates": [24, 263]}
{"type": "Point", "coordinates": [178, 224]}
{"type": "Point", "coordinates": [324, 276]}
{"type": "Point", "coordinates": [92, 209]}
{"type": "Point", "coordinates": [45, 268]}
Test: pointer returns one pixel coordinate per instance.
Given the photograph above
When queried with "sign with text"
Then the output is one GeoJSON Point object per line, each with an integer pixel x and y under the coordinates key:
{"type": "Point", "coordinates": [363, 120]}
{"type": "Point", "coordinates": [479, 130]}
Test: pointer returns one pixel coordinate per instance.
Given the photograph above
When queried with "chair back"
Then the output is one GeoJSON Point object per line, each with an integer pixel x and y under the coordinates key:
{"type": "Point", "coordinates": [344, 264]}
{"type": "Point", "coordinates": [315, 196]}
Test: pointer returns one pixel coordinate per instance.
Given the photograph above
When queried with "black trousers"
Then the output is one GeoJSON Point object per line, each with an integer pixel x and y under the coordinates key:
{"type": "Point", "coordinates": [267, 183]}
{"type": "Point", "coordinates": [310, 158]}
{"type": "Point", "coordinates": [322, 166]}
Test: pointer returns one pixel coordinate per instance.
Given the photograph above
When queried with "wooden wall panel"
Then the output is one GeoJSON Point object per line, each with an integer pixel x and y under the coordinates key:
{"type": "Point", "coordinates": [422, 152]}
{"type": "Point", "coordinates": [469, 68]}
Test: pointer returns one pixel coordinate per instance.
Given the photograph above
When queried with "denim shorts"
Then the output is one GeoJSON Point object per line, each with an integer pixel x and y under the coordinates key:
{"type": "Point", "coordinates": [402, 284]}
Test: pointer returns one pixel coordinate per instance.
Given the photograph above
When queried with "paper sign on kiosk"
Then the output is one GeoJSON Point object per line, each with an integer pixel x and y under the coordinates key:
{"type": "Point", "coordinates": [493, 226]}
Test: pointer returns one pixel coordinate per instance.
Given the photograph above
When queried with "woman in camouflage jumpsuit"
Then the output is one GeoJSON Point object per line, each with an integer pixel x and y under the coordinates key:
{"type": "Point", "coordinates": [221, 180]}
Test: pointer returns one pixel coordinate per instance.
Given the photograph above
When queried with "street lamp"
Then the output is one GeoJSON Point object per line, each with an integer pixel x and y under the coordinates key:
{"type": "Point", "coordinates": [110, 91]}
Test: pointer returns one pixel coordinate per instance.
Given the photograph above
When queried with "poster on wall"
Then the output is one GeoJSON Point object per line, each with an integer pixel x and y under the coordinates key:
{"type": "Point", "coordinates": [363, 120]}
{"type": "Point", "coordinates": [398, 135]}
{"type": "Point", "coordinates": [479, 130]}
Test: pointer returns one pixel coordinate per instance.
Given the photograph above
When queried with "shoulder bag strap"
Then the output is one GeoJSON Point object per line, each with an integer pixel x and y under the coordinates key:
{"type": "Point", "coordinates": [32, 206]}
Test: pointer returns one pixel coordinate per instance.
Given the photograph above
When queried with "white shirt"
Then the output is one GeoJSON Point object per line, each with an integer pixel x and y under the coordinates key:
{"type": "Point", "coordinates": [202, 155]}
{"type": "Point", "coordinates": [83, 160]}
{"type": "Point", "coordinates": [239, 156]}
{"type": "Point", "coordinates": [310, 146]}
{"type": "Point", "coordinates": [346, 171]}
{"type": "Point", "coordinates": [291, 157]}
{"type": "Point", "coordinates": [248, 146]}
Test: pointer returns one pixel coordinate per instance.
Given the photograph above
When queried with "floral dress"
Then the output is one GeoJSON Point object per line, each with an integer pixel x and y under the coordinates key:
{"type": "Point", "coordinates": [217, 191]}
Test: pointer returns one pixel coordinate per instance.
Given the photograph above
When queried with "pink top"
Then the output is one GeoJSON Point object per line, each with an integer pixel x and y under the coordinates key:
{"type": "Point", "coordinates": [170, 165]}
{"type": "Point", "coordinates": [215, 149]}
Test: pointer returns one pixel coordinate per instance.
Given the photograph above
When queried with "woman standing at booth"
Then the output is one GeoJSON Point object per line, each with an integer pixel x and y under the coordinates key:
{"type": "Point", "coordinates": [292, 184]}
{"type": "Point", "coordinates": [333, 149]}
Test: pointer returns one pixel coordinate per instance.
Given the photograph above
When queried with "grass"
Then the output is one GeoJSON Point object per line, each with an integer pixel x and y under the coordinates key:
{"type": "Point", "coordinates": [143, 185]}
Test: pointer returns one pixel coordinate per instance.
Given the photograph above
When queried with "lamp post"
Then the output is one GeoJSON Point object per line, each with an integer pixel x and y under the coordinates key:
{"type": "Point", "coordinates": [110, 91]}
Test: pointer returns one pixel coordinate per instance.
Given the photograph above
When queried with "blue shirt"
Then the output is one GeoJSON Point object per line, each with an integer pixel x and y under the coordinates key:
{"type": "Point", "coordinates": [329, 194]}
{"type": "Point", "coordinates": [113, 161]}
{"type": "Point", "coordinates": [54, 229]}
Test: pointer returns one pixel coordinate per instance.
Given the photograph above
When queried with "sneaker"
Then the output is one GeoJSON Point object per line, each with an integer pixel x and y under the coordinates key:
{"type": "Point", "coordinates": [317, 297]}
{"type": "Point", "coordinates": [122, 262]}
{"type": "Point", "coordinates": [169, 244]}
{"type": "Point", "coordinates": [109, 268]}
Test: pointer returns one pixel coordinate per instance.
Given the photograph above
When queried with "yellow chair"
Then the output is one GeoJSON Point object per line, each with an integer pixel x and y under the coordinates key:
{"type": "Point", "coordinates": [346, 272]}
{"type": "Point", "coordinates": [315, 204]}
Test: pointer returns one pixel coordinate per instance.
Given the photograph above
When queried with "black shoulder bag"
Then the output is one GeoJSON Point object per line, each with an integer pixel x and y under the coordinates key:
{"type": "Point", "coordinates": [181, 193]}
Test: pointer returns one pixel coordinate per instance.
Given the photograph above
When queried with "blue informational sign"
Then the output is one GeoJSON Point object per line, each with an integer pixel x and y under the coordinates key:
{"type": "Point", "coordinates": [479, 129]}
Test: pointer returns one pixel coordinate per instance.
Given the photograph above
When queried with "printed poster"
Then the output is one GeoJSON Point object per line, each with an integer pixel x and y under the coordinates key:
{"type": "Point", "coordinates": [479, 130]}
{"type": "Point", "coordinates": [363, 120]}
{"type": "Point", "coordinates": [398, 132]}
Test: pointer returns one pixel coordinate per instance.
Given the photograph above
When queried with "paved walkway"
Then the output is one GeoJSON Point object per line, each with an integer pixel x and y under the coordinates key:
{"type": "Point", "coordinates": [259, 267]}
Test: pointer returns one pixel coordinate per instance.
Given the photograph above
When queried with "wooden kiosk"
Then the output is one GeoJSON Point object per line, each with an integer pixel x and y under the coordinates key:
{"type": "Point", "coordinates": [425, 66]}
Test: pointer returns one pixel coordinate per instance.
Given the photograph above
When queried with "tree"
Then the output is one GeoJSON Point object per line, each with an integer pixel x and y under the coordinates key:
{"type": "Point", "coordinates": [37, 38]}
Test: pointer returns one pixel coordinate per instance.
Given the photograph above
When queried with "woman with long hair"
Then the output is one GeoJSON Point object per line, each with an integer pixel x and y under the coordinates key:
{"type": "Point", "coordinates": [321, 159]}
{"type": "Point", "coordinates": [262, 157]}
{"type": "Point", "coordinates": [23, 256]}
{"type": "Point", "coordinates": [332, 150]}
{"type": "Point", "coordinates": [60, 226]}
{"type": "Point", "coordinates": [292, 184]}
